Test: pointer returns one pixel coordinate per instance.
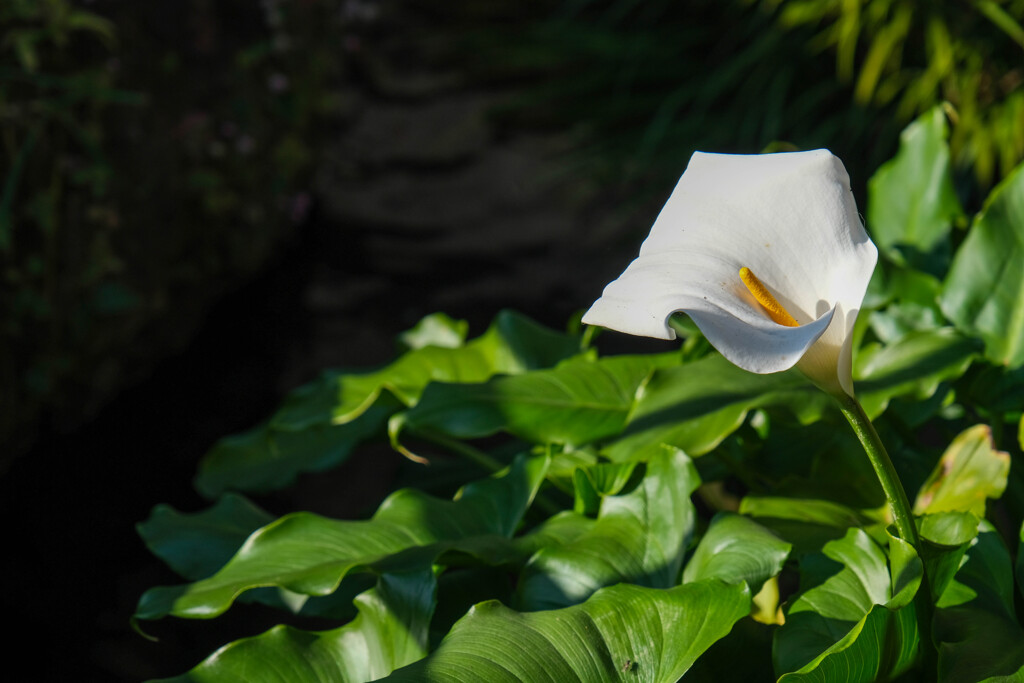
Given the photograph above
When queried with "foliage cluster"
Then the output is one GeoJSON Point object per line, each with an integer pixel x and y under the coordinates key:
{"type": "Point", "coordinates": [148, 155]}
{"type": "Point", "coordinates": [652, 515]}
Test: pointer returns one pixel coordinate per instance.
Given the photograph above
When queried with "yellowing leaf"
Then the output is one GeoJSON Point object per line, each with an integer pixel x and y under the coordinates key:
{"type": "Point", "coordinates": [970, 471]}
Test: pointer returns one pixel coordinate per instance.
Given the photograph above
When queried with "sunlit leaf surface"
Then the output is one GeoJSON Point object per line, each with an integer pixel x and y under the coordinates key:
{"type": "Point", "coordinates": [310, 554]}
{"type": "Point", "coordinates": [639, 537]}
{"type": "Point", "coordinates": [622, 633]}
{"type": "Point", "coordinates": [911, 201]}
{"type": "Point", "coordinates": [390, 632]}
{"type": "Point", "coordinates": [984, 292]}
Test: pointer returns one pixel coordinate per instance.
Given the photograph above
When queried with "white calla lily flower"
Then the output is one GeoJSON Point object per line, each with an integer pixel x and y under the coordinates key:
{"type": "Point", "coordinates": [768, 256]}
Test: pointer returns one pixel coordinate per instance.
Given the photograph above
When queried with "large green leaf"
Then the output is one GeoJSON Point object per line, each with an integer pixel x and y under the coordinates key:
{"type": "Point", "coordinates": [848, 623]}
{"type": "Point", "coordinates": [622, 633]}
{"type": "Point", "coordinates": [270, 456]}
{"type": "Point", "coordinates": [652, 400]}
{"type": "Point", "coordinates": [390, 632]}
{"type": "Point", "coordinates": [513, 344]}
{"type": "Point", "coordinates": [945, 538]}
{"type": "Point", "coordinates": [736, 548]}
{"type": "Point", "coordinates": [976, 626]}
{"type": "Point", "coordinates": [805, 523]}
{"type": "Point", "coordinates": [984, 292]}
{"type": "Point", "coordinates": [911, 200]}
{"type": "Point", "coordinates": [914, 365]}
{"type": "Point", "coordinates": [818, 512]}
{"type": "Point", "coordinates": [310, 555]}
{"type": "Point", "coordinates": [577, 402]}
{"type": "Point", "coordinates": [639, 537]}
{"type": "Point", "coordinates": [696, 405]}
{"type": "Point", "coordinates": [319, 423]}
{"type": "Point", "coordinates": [969, 473]}
{"type": "Point", "coordinates": [878, 647]}
{"type": "Point", "coordinates": [908, 302]}
{"type": "Point", "coordinates": [198, 544]}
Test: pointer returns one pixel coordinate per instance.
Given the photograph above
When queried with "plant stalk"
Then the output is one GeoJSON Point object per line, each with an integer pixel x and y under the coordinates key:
{"type": "Point", "coordinates": [884, 470]}
{"type": "Point", "coordinates": [902, 515]}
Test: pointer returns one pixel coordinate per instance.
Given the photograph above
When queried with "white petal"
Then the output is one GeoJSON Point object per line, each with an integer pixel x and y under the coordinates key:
{"type": "Point", "coordinates": [791, 219]}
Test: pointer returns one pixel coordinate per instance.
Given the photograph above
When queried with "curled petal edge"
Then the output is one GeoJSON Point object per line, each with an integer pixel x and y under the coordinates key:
{"type": "Point", "coordinates": [761, 348]}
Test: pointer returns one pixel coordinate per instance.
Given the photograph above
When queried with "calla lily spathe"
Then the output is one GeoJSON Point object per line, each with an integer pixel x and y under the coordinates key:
{"type": "Point", "coordinates": [790, 219]}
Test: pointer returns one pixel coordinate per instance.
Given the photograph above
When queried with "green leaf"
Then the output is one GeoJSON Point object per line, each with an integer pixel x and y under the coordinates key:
{"type": "Point", "coordinates": [976, 627]}
{"type": "Point", "coordinates": [995, 389]}
{"type": "Point", "coordinates": [389, 632]}
{"type": "Point", "coordinates": [879, 647]}
{"type": "Point", "coordinates": [272, 455]}
{"type": "Point", "coordinates": [984, 292]}
{"type": "Point", "coordinates": [945, 538]}
{"type": "Point", "coordinates": [320, 423]}
{"type": "Point", "coordinates": [639, 537]}
{"type": "Point", "coordinates": [910, 300]}
{"type": "Point", "coordinates": [807, 524]}
{"type": "Point", "coordinates": [310, 555]}
{"type": "Point", "coordinates": [622, 633]}
{"type": "Point", "coordinates": [914, 365]}
{"type": "Point", "coordinates": [821, 512]}
{"type": "Point", "coordinates": [592, 483]}
{"type": "Point", "coordinates": [847, 624]}
{"type": "Point", "coordinates": [970, 472]}
{"type": "Point", "coordinates": [844, 580]}
{"type": "Point", "coordinates": [736, 548]}
{"type": "Point", "coordinates": [911, 200]}
{"type": "Point", "coordinates": [905, 569]}
{"type": "Point", "coordinates": [904, 317]}
{"type": "Point", "coordinates": [196, 545]}
{"type": "Point", "coordinates": [513, 344]}
{"type": "Point", "coordinates": [953, 528]}
{"type": "Point", "coordinates": [578, 402]}
{"type": "Point", "coordinates": [696, 405]}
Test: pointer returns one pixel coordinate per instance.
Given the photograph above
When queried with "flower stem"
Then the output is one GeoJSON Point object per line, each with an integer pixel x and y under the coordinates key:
{"type": "Point", "coordinates": [901, 513]}
{"type": "Point", "coordinates": [884, 470]}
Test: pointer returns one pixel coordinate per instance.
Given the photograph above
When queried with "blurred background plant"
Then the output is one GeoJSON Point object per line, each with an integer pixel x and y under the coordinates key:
{"type": "Point", "coordinates": [647, 83]}
{"type": "Point", "coordinates": [154, 156]}
{"type": "Point", "coordinates": [53, 110]}
{"type": "Point", "coordinates": [913, 55]}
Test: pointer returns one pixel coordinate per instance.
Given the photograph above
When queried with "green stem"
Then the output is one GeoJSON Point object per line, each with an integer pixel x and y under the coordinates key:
{"type": "Point", "coordinates": [901, 513]}
{"type": "Point", "coordinates": [884, 470]}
